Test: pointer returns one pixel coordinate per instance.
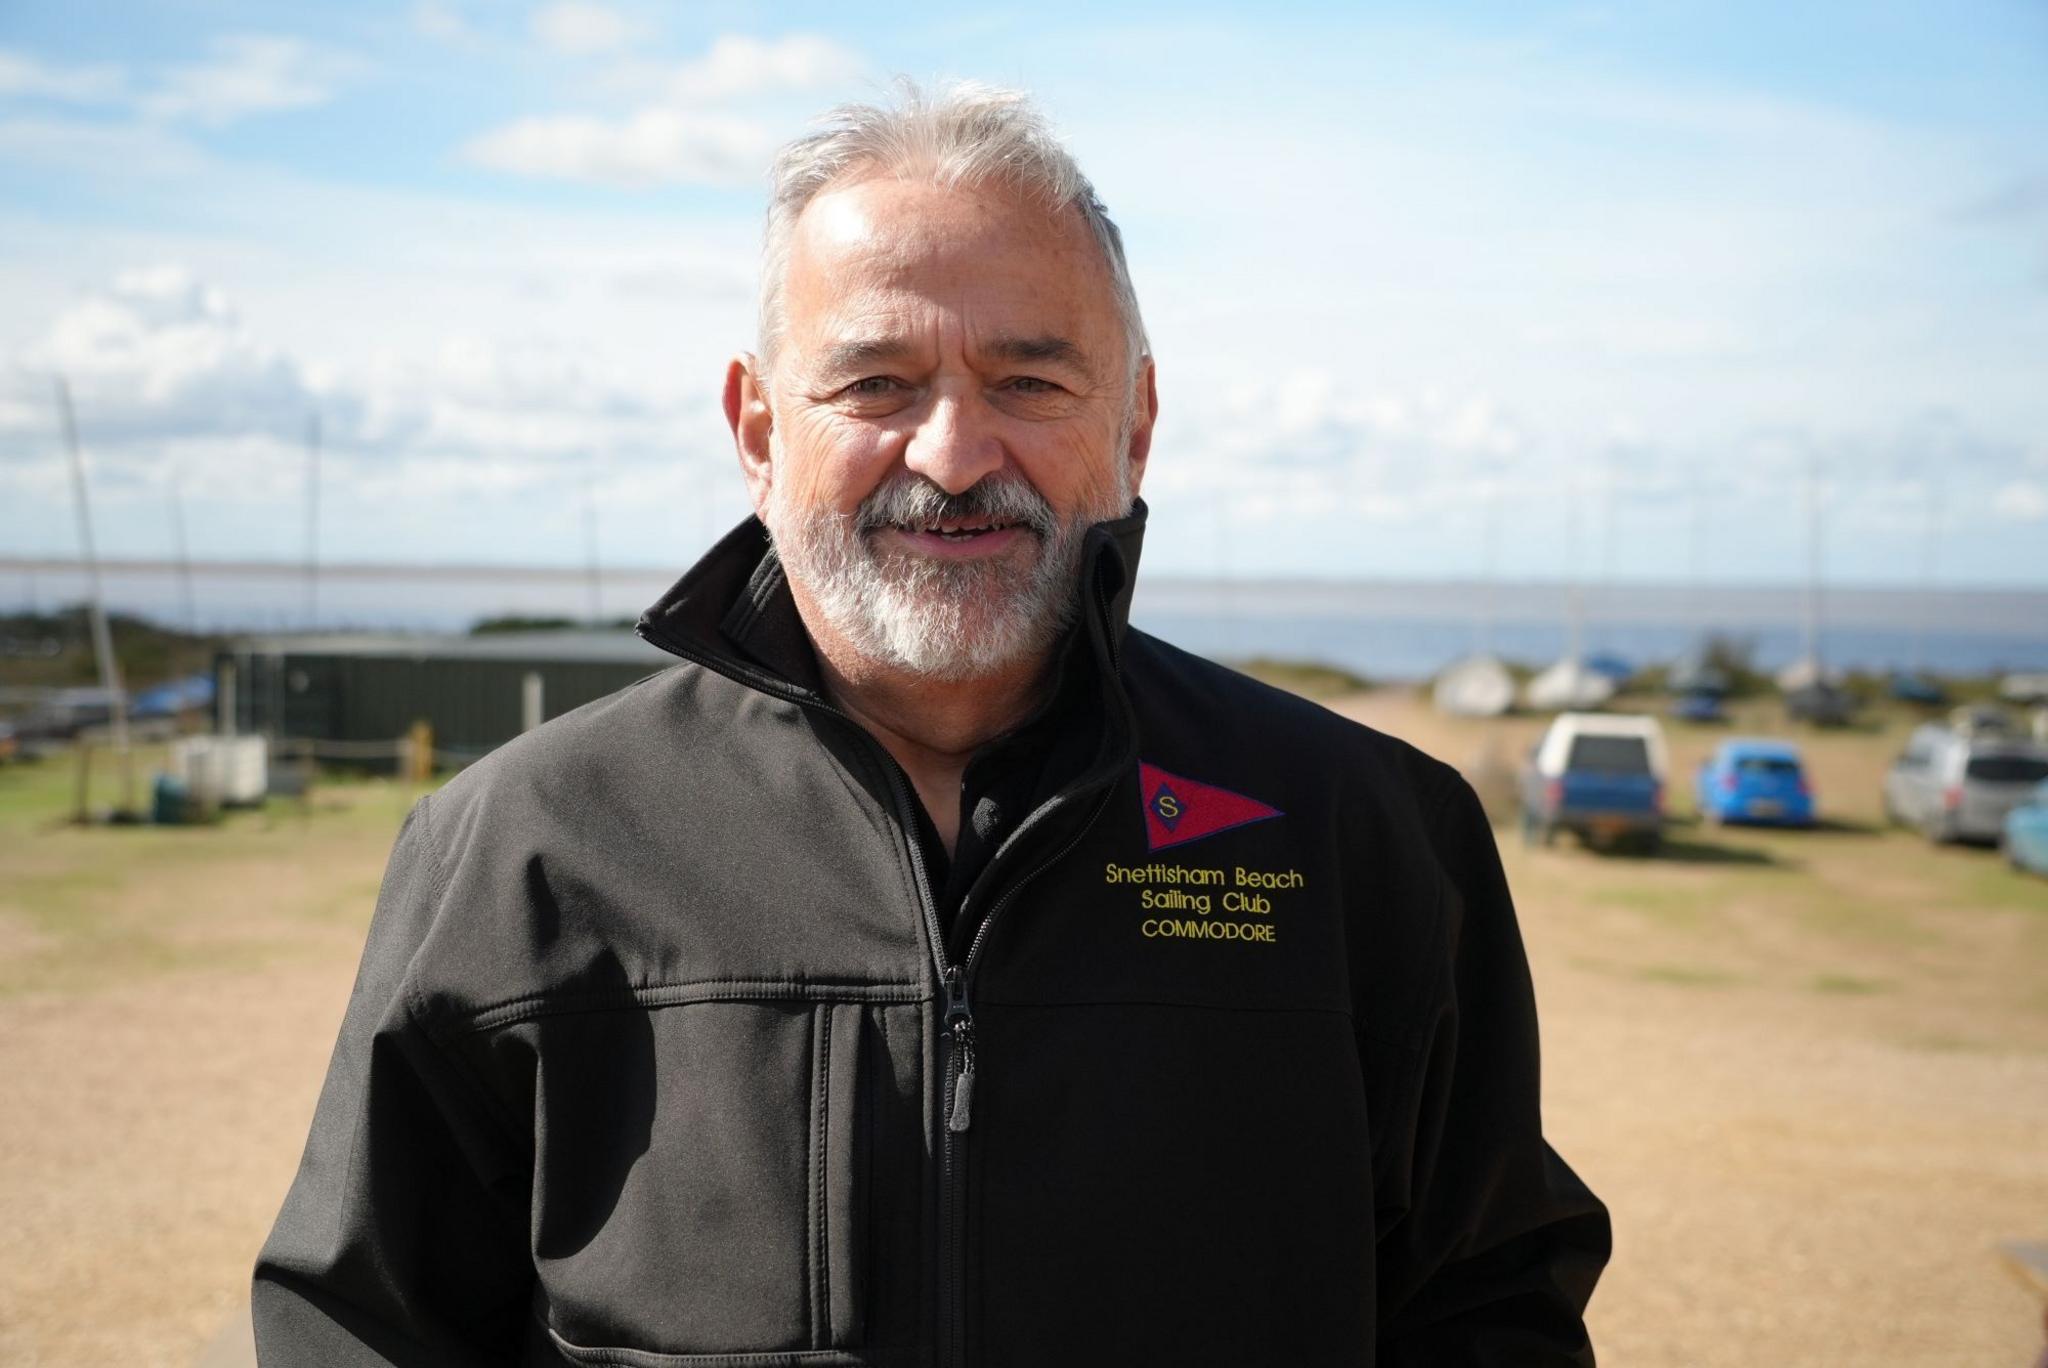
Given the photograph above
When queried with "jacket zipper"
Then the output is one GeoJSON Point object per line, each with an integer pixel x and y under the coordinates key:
{"type": "Point", "coordinates": [959, 1114]}
{"type": "Point", "coordinates": [958, 1024]}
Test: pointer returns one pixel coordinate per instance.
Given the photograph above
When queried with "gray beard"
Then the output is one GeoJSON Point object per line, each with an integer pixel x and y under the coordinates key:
{"type": "Point", "coordinates": [942, 619]}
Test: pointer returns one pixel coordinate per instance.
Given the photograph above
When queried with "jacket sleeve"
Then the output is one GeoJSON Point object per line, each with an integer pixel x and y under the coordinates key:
{"type": "Point", "coordinates": [403, 1238]}
{"type": "Point", "coordinates": [1492, 1245]}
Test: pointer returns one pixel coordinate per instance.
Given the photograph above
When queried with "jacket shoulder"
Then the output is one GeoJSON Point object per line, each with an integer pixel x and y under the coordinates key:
{"type": "Point", "coordinates": [606, 746]}
{"type": "Point", "coordinates": [1205, 697]}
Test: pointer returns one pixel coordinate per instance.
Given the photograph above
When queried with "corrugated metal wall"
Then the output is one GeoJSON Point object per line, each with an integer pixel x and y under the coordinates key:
{"type": "Point", "coordinates": [472, 705]}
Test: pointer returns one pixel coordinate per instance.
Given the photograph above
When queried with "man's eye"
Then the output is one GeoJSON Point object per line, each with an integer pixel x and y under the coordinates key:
{"type": "Point", "coordinates": [872, 387]}
{"type": "Point", "coordinates": [1031, 384]}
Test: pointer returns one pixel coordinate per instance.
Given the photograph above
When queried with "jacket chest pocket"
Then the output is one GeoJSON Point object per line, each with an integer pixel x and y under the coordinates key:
{"type": "Point", "coordinates": [704, 1180]}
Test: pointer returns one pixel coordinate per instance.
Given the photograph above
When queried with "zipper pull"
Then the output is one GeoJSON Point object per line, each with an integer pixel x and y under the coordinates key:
{"type": "Point", "coordinates": [960, 1025]}
{"type": "Point", "coordinates": [959, 1117]}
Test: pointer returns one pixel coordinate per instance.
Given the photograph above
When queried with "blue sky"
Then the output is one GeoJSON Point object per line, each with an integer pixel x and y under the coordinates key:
{"type": "Point", "coordinates": [1623, 272]}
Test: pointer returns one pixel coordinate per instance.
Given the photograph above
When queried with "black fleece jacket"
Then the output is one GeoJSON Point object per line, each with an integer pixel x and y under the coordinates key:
{"type": "Point", "coordinates": [659, 1055]}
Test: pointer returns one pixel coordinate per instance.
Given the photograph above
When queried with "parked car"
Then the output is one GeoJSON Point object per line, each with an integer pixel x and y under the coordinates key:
{"type": "Point", "coordinates": [2026, 832]}
{"type": "Point", "coordinates": [1821, 703]}
{"type": "Point", "coordinates": [1918, 689]}
{"type": "Point", "coordinates": [1959, 785]}
{"type": "Point", "coordinates": [1749, 780]}
{"type": "Point", "coordinates": [1598, 775]}
{"type": "Point", "coordinates": [1699, 706]}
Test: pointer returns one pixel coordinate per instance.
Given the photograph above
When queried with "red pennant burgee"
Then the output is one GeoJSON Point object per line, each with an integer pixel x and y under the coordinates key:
{"type": "Point", "coordinates": [1180, 810]}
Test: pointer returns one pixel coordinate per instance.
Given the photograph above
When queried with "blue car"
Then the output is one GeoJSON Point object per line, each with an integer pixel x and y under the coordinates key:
{"type": "Point", "coordinates": [1748, 780]}
{"type": "Point", "coordinates": [2026, 832]}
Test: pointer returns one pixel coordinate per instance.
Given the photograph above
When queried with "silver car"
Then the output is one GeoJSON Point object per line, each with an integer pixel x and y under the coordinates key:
{"type": "Point", "coordinates": [1958, 786]}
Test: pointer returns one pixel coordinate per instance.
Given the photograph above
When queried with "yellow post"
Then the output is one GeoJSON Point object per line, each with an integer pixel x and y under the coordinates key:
{"type": "Point", "coordinates": [420, 752]}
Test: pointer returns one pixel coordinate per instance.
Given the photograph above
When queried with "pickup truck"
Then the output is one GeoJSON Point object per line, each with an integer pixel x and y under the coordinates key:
{"type": "Point", "coordinates": [1599, 776]}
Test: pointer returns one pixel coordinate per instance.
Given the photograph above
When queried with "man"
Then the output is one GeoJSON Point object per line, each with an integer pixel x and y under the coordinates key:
{"type": "Point", "coordinates": [932, 969]}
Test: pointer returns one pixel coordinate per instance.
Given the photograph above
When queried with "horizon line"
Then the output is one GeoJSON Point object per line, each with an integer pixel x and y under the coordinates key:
{"type": "Point", "coordinates": [457, 570]}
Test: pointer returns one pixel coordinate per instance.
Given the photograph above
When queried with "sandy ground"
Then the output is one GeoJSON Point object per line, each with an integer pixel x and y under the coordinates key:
{"type": "Point", "coordinates": [1809, 1072]}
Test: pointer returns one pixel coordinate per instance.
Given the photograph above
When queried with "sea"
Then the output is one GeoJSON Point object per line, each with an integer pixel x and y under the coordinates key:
{"type": "Point", "coordinates": [1382, 629]}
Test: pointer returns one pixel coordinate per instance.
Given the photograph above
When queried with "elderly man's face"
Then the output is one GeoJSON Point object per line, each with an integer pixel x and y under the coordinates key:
{"type": "Point", "coordinates": [944, 343]}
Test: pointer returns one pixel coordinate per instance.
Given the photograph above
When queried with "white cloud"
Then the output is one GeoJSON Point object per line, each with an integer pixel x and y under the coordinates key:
{"type": "Point", "coordinates": [687, 128]}
{"type": "Point", "coordinates": [160, 354]}
{"type": "Point", "coordinates": [652, 147]}
{"type": "Point", "coordinates": [250, 74]}
{"type": "Point", "coordinates": [122, 153]}
{"type": "Point", "coordinates": [23, 76]}
{"type": "Point", "coordinates": [1309, 419]}
{"type": "Point", "coordinates": [578, 28]}
{"type": "Point", "coordinates": [442, 22]}
{"type": "Point", "coordinates": [2021, 501]}
{"type": "Point", "coordinates": [738, 67]}
{"type": "Point", "coordinates": [165, 374]}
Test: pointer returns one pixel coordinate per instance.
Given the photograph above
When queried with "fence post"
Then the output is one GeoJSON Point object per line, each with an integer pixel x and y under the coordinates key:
{"type": "Point", "coordinates": [420, 751]}
{"type": "Point", "coordinates": [79, 813]}
{"type": "Point", "coordinates": [224, 720]}
{"type": "Point", "coordinates": [531, 711]}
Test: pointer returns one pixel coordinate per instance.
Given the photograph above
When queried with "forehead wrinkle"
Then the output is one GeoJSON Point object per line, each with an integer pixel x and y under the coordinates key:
{"type": "Point", "coordinates": [869, 285]}
{"type": "Point", "coordinates": [858, 352]}
{"type": "Point", "coordinates": [1043, 347]}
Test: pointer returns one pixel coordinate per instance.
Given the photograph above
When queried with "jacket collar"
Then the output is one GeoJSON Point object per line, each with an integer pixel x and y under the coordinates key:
{"type": "Point", "coordinates": [732, 612]}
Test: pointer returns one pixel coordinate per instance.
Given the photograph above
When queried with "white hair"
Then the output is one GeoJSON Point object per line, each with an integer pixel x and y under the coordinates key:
{"type": "Point", "coordinates": [967, 134]}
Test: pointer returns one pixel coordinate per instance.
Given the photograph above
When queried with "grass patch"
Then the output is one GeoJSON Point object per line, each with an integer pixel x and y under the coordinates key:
{"type": "Point", "coordinates": [1682, 908]}
{"type": "Point", "coordinates": [1688, 975]}
{"type": "Point", "coordinates": [1940, 1042]}
{"type": "Point", "coordinates": [1994, 883]}
{"type": "Point", "coordinates": [84, 907]}
{"type": "Point", "coordinates": [1848, 985]}
{"type": "Point", "coordinates": [1309, 678]}
{"type": "Point", "coordinates": [1863, 919]}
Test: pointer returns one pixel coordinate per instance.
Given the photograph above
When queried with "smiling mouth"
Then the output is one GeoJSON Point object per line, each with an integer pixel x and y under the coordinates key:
{"type": "Point", "coordinates": [958, 529]}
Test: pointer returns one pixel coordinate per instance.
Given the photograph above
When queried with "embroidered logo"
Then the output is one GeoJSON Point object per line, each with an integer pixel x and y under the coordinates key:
{"type": "Point", "coordinates": [1179, 810]}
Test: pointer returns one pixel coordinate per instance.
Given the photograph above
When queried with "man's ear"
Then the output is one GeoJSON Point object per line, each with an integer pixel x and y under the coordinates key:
{"type": "Point", "coordinates": [1140, 448]}
{"type": "Point", "coordinates": [752, 420]}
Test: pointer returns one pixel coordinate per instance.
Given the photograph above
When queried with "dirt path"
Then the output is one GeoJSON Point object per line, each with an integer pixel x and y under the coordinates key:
{"type": "Point", "coordinates": [159, 1087]}
{"type": "Point", "coordinates": [148, 1137]}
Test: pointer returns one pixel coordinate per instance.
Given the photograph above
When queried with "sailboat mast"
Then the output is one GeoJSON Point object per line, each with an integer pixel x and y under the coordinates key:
{"type": "Point", "coordinates": [312, 521]}
{"type": "Point", "coordinates": [1930, 554]}
{"type": "Point", "coordinates": [1489, 546]}
{"type": "Point", "coordinates": [102, 638]}
{"type": "Point", "coordinates": [1813, 567]}
{"type": "Point", "coordinates": [1575, 592]}
{"type": "Point", "coordinates": [184, 556]}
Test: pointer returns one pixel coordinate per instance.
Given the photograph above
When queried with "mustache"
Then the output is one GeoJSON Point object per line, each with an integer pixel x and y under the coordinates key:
{"type": "Point", "coordinates": [912, 500]}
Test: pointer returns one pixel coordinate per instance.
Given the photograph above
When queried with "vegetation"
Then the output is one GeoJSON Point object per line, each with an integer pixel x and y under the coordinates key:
{"type": "Point", "coordinates": [1310, 679]}
{"type": "Point", "coordinates": [54, 650]}
{"type": "Point", "coordinates": [514, 622]}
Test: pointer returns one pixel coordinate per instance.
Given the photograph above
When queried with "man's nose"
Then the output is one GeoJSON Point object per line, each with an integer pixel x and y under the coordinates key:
{"type": "Point", "coordinates": [956, 444]}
